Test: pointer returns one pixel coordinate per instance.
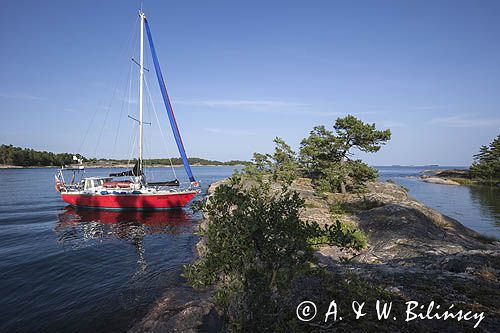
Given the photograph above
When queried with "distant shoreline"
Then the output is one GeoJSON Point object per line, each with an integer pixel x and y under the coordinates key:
{"type": "Point", "coordinates": [120, 166]}
{"type": "Point", "coordinates": [117, 166]}
{"type": "Point", "coordinates": [455, 177]}
{"type": "Point", "coordinates": [12, 157]}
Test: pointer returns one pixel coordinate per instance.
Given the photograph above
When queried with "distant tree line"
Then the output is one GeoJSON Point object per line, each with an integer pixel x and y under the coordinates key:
{"type": "Point", "coordinates": [17, 156]}
{"type": "Point", "coordinates": [29, 157]}
{"type": "Point", "coordinates": [174, 161]}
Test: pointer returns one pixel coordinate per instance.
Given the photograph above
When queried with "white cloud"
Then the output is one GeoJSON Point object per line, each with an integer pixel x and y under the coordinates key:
{"type": "Point", "coordinates": [20, 95]}
{"type": "Point", "coordinates": [465, 121]}
{"type": "Point", "coordinates": [234, 103]}
{"type": "Point", "coordinates": [230, 132]}
{"type": "Point", "coordinates": [320, 113]}
{"type": "Point", "coordinates": [390, 124]}
{"type": "Point", "coordinates": [274, 106]}
{"type": "Point", "coordinates": [213, 130]}
{"type": "Point", "coordinates": [430, 107]}
{"type": "Point", "coordinates": [133, 100]}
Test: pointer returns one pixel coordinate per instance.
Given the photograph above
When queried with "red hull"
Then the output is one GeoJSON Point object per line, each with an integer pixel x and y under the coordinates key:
{"type": "Point", "coordinates": [130, 201]}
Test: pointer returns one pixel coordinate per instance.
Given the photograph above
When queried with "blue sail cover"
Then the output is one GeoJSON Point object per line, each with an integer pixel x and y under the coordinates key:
{"type": "Point", "coordinates": [170, 111]}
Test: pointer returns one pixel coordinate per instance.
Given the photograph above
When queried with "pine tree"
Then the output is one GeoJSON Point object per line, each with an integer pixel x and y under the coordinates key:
{"type": "Point", "coordinates": [486, 164]}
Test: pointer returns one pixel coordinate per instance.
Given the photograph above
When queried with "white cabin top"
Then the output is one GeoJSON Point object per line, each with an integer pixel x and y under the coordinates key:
{"type": "Point", "coordinates": [93, 182]}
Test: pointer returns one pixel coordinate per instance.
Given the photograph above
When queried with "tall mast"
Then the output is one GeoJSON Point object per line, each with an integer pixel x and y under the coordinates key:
{"type": "Point", "coordinates": [141, 88]}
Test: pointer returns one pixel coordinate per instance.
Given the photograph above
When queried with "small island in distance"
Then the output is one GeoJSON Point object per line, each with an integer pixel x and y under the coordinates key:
{"type": "Point", "coordinates": [18, 157]}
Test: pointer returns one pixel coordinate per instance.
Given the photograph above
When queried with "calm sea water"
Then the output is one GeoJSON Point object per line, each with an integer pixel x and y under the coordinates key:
{"type": "Point", "coordinates": [477, 207]}
{"type": "Point", "coordinates": [63, 269]}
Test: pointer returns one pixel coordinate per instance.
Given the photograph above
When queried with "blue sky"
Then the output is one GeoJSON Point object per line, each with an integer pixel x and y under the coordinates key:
{"type": "Point", "coordinates": [240, 73]}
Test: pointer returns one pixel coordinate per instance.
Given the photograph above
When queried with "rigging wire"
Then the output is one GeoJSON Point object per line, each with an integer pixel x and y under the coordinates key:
{"type": "Point", "coordinates": [134, 143]}
{"type": "Point", "coordinates": [148, 153]}
{"type": "Point", "coordinates": [161, 130]}
{"type": "Point", "coordinates": [124, 51]}
{"type": "Point", "coordinates": [121, 111]}
{"type": "Point", "coordinates": [126, 99]}
{"type": "Point", "coordinates": [146, 143]}
{"type": "Point", "coordinates": [147, 138]}
{"type": "Point", "coordinates": [97, 108]}
{"type": "Point", "coordinates": [129, 153]}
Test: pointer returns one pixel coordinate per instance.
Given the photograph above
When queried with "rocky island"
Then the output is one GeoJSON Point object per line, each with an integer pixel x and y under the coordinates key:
{"type": "Point", "coordinates": [318, 227]}
{"type": "Point", "coordinates": [412, 253]}
{"type": "Point", "coordinates": [450, 177]}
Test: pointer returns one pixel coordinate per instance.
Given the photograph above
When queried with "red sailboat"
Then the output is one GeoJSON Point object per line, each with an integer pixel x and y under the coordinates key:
{"type": "Point", "coordinates": [135, 192]}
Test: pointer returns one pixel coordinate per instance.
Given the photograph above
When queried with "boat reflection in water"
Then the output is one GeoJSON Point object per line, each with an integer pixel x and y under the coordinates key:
{"type": "Point", "coordinates": [88, 227]}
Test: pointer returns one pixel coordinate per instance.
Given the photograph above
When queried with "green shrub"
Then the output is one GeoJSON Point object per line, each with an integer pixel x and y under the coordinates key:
{"type": "Point", "coordinates": [256, 245]}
